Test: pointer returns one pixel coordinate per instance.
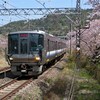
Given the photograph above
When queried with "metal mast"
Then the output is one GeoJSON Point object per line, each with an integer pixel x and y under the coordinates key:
{"type": "Point", "coordinates": [78, 34]}
{"type": "Point", "coordinates": [35, 11]}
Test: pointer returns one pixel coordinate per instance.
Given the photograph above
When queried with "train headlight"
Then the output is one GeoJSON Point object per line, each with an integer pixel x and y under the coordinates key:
{"type": "Point", "coordinates": [37, 58]}
{"type": "Point", "coordinates": [10, 58]}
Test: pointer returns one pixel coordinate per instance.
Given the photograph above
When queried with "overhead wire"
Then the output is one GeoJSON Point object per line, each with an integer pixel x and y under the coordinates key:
{"type": "Point", "coordinates": [13, 7]}
{"type": "Point", "coordinates": [43, 4]}
{"type": "Point", "coordinates": [8, 3]}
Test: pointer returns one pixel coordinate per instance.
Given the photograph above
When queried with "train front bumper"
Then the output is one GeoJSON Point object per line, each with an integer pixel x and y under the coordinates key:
{"type": "Point", "coordinates": [25, 68]}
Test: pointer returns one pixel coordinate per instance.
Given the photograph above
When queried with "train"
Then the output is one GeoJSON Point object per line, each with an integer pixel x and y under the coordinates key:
{"type": "Point", "coordinates": [29, 52]}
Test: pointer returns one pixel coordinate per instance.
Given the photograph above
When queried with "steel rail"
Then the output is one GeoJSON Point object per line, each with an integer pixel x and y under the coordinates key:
{"type": "Point", "coordinates": [5, 69]}
{"type": "Point", "coordinates": [14, 91]}
{"type": "Point", "coordinates": [8, 83]}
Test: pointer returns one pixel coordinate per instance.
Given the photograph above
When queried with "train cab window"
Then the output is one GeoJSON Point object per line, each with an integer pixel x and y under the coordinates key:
{"type": "Point", "coordinates": [36, 41]}
{"type": "Point", "coordinates": [41, 40]}
{"type": "Point", "coordinates": [33, 42]}
{"type": "Point", "coordinates": [13, 44]}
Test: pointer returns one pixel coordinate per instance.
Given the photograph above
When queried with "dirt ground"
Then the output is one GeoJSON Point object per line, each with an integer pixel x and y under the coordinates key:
{"type": "Point", "coordinates": [3, 62]}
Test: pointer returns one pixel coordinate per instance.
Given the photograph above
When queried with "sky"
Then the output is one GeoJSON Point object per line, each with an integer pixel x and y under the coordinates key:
{"type": "Point", "coordinates": [34, 4]}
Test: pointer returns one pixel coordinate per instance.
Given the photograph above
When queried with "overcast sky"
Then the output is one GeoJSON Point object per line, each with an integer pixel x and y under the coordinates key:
{"type": "Point", "coordinates": [35, 4]}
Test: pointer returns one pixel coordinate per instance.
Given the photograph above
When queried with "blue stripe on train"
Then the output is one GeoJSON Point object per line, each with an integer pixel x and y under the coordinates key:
{"type": "Point", "coordinates": [54, 53]}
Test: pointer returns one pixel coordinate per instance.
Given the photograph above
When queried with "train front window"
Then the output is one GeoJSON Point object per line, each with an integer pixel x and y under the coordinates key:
{"type": "Point", "coordinates": [41, 40]}
{"type": "Point", "coordinates": [13, 44]}
{"type": "Point", "coordinates": [36, 40]}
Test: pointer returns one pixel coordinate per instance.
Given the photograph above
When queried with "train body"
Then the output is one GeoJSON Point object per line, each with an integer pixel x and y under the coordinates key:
{"type": "Point", "coordinates": [29, 51]}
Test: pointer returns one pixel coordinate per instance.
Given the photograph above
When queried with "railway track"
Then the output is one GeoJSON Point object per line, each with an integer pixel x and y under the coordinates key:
{"type": "Point", "coordinates": [9, 89]}
{"type": "Point", "coordinates": [5, 69]}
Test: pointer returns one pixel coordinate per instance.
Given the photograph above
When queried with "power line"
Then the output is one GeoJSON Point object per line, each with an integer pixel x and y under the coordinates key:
{"type": "Point", "coordinates": [8, 9]}
{"type": "Point", "coordinates": [8, 3]}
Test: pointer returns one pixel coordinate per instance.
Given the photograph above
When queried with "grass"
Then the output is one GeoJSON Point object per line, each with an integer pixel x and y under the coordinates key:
{"type": "Point", "coordinates": [86, 87]}
{"type": "Point", "coordinates": [84, 74]}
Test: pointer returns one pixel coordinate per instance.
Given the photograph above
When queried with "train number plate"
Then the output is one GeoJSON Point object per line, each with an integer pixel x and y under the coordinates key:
{"type": "Point", "coordinates": [23, 71]}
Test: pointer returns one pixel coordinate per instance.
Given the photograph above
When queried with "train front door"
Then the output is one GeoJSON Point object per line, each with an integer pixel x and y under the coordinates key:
{"type": "Point", "coordinates": [23, 46]}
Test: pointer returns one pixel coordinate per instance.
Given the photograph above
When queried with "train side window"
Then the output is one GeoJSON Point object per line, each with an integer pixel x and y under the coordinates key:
{"type": "Point", "coordinates": [48, 44]}
{"type": "Point", "coordinates": [51, 45]}
{"type": "Point", "coordinates": [56, 45]}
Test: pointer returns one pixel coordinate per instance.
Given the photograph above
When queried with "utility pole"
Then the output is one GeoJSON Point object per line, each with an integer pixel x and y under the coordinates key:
{"type": "Point", "coordinates": [78, 35]}
{"type": "Point", "coordinates": [70, 39]}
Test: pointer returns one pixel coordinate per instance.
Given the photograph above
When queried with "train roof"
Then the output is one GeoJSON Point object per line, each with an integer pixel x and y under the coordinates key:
{"type": "Point", "coordinates": [35, 31]}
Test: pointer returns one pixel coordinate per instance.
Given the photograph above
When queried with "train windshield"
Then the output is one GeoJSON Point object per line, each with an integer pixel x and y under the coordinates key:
{"type": "Point", "coordinates": [13, 44]}
{"type": "Point", "coordinates": [24, 43]}
{"type": "Point", "coordinates": [36, 42]}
